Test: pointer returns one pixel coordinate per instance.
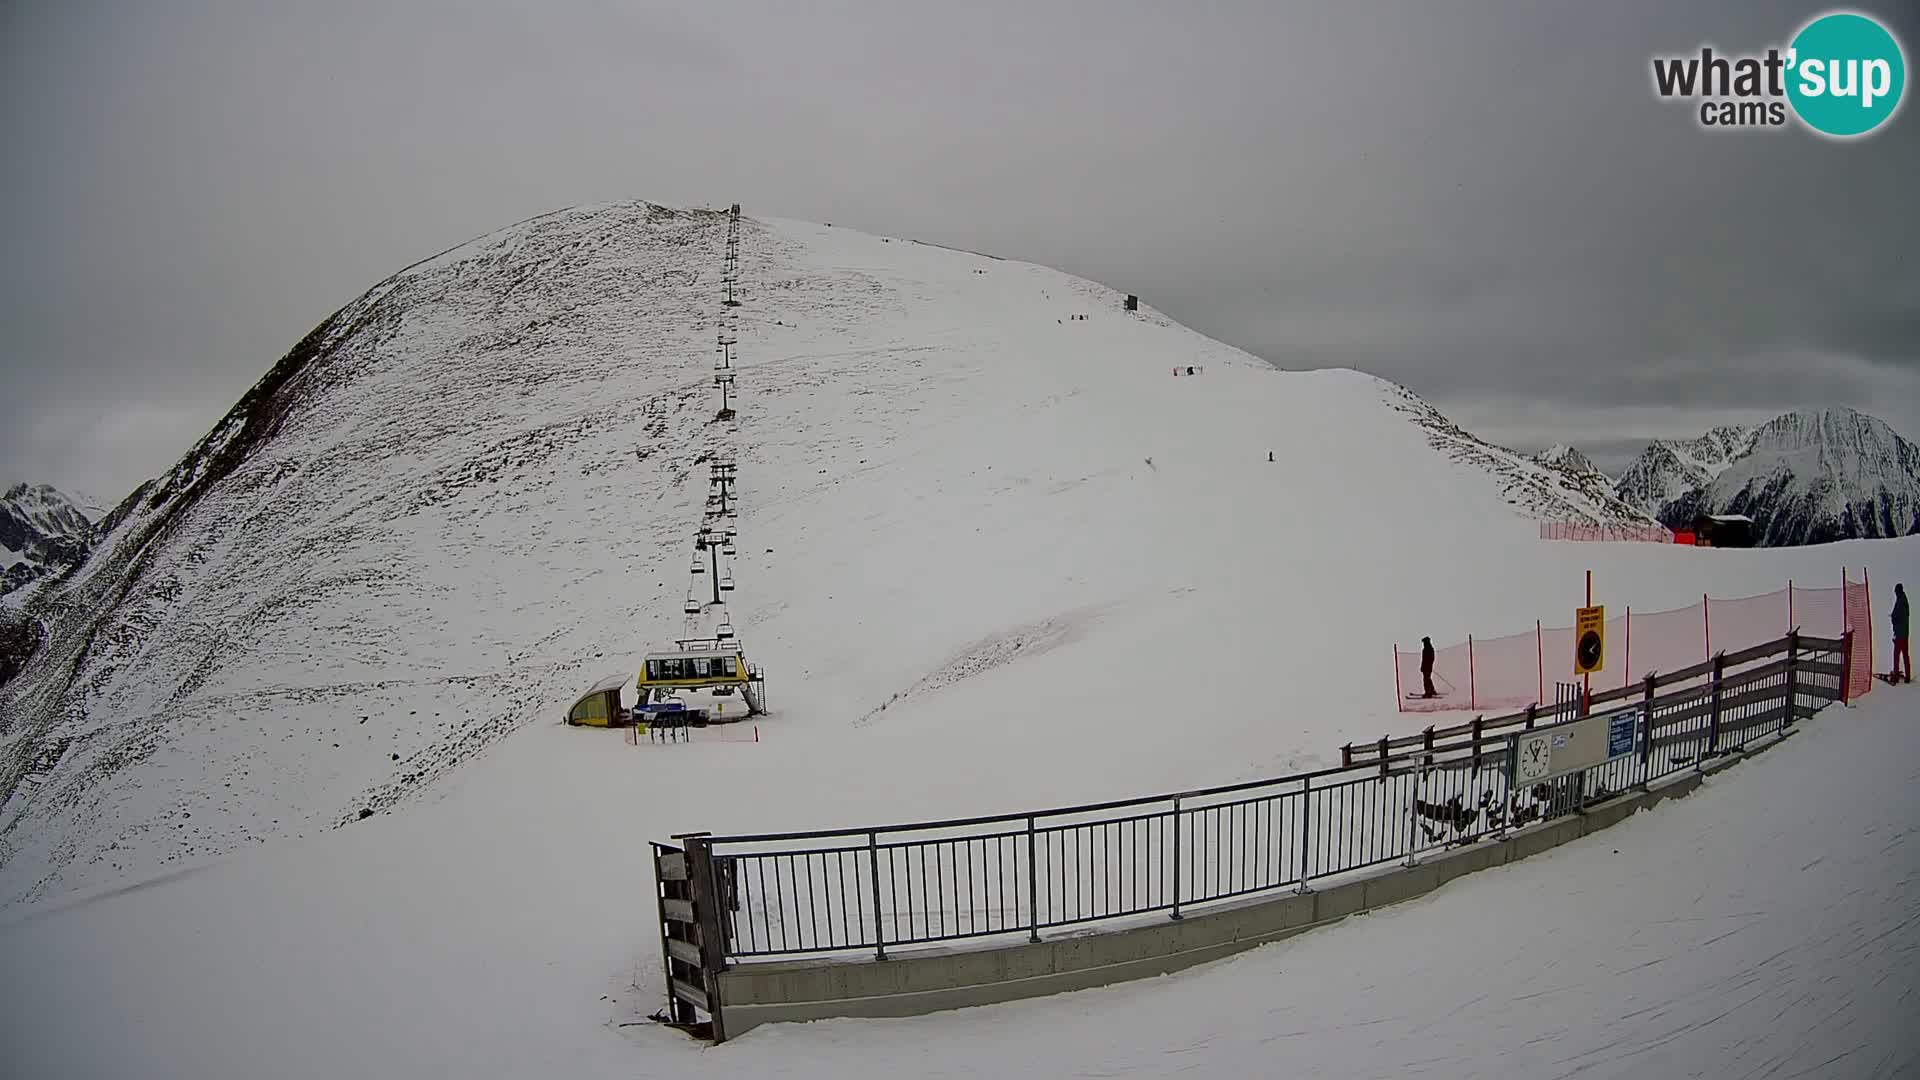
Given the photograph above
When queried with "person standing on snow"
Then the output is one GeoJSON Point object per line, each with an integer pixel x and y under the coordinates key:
{"type": "Point", "coordinates": [1901, 648]}
{"type": "Point", "coordinates": [1426, 667]}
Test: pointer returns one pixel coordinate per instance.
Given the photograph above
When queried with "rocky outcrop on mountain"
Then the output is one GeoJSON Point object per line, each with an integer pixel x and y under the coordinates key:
{"type": "Point", "coordinates": [1559, 485]}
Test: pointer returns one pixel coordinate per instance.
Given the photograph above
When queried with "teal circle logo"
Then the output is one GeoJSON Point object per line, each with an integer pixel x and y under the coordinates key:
{"type": "Point", "coordinates": [1846, 74]}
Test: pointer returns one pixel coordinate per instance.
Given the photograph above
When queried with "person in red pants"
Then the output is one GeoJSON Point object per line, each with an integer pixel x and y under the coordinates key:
{"type": "Point", "coordinates": [1901, 651]}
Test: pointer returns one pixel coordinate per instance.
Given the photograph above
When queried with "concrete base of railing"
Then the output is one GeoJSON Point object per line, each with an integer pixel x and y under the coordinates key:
{"type": "Point", "coordinates": [931, 980]}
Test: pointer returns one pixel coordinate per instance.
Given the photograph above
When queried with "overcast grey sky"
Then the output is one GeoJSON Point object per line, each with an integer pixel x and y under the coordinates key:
{"type": "Point", "coordinates": [1481, 200]}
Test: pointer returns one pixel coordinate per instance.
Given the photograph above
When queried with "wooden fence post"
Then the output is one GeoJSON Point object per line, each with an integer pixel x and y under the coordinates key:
{"type": "Point", "coordinates": [1846, 659]}
{"type": "Point", "coordinates": [1793, 678]}
{"type": "Point", "coordinates": [1713, 714]}
{"type": "Point", "coordinates": [1646, 738]}
{"type": "Point", "coordinates": [1473, 689]}
{"type": "Point", "coordinates": [704, 884]}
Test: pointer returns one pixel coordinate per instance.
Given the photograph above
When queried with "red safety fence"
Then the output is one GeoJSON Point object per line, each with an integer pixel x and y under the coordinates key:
{"type": "Point", "coordinates": [1518, 670]}
{"type": "Point", "coordinates": [1613, 532]}
{"type": "Point", "coordinates": [1859, 604]}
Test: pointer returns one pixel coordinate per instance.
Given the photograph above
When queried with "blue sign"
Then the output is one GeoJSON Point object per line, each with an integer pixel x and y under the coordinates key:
{"type": "Point", "coordinates": [1620, 727]}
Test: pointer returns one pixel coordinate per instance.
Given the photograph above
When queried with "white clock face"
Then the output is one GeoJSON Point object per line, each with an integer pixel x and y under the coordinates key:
{"type": "Point", "coordinates": [1535, 754]}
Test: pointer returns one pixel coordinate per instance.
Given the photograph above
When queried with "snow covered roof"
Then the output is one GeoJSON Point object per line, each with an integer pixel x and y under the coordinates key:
{"type": "Point", "coordinates": [1731, 519]}
{"type": "Point", "coordinates": [612, 682]}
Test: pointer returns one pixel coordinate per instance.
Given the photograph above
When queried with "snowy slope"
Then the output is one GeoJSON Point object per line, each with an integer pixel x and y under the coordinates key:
{"type": "Point", "coordinates": [500, 932]}
{"type": "Point", "coordinates": [1814, 476]}
{"type": "Point", "coordinates": [992, 557]}
{"type": "Point", "coordinates": [1579, 474]}
{"type": "Point", "coordinates": [470, 492]}
{"type": "Point", "coordinates": [1560, 485]}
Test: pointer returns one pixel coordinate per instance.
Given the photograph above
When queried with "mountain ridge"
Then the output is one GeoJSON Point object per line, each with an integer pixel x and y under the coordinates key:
{"type": "Point", "coordinates": [473, 483]}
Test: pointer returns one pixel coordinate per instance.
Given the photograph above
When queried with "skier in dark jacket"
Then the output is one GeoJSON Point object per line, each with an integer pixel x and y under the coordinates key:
{"type": "Point", "coordinates": [1426, 666]}
{"type": "Point", "coordinates": [1902, 651]}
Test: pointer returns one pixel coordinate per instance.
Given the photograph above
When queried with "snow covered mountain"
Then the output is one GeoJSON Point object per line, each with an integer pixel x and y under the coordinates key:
{"type": "Point", "coordinates": [471, 492]}
{"type": "Point", "coordinates": [993, 555]}
{"type": "Point", "coordinates": [42, 531]}
{"type": "Point", "coordinates": [1558, 485]}
{"type": "Point", "coordinates": [1807, 477]}
{"type": "Point", "coordinates": [1562, 456]}
{"type": "Point", "coordinates": [1669, 468]}
{"type": "Point", "coordinates": [1578, 472]}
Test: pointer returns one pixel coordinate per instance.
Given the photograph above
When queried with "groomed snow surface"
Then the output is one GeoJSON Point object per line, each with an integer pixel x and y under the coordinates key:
{"type": "Point", "coordinates": [993, 558]}
{"type": "Point", "coordinates": [1764, 927]}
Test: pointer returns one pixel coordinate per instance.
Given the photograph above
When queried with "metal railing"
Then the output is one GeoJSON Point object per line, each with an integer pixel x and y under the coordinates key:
{"type": "Point", "coordinates": [840, 890]}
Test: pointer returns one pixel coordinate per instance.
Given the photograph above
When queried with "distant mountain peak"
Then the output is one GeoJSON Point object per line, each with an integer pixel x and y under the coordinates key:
{"type": "Point", "coordinates": [1562, 456]}
{"type": "Point", "coordinates": [1815, 474]}
{"type": "Point", "coordinates": [43, 530]}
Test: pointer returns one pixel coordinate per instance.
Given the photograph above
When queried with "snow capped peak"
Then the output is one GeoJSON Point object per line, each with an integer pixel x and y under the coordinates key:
{"type": "Point", "coordinates": [42, 530]}
{"type": "Point", "coordinates": [1562, 456]}
{"type": "Point", "coordinates": [1807, 476]}
{"type": "Point", "coordinates": [1668, 468]}
{"type": "Point", "coordinates": [50, 502]}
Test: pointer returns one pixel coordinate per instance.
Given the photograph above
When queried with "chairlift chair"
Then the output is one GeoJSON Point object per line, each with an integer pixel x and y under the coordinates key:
{"type": "Point", "coordinates": [698, 566]}
{"type": "Point", "coordinates": [724, 632]}
{"type": "Point", "coordinates": [727, 548]}
{"type": "Point", "coordinates": [691, 607]}
{"type": "Point", "coordinates": [726, 583]}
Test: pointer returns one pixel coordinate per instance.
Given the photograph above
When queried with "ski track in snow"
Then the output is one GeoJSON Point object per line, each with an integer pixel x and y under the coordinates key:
{"type": "Point", "coordinates": [1020, 643]}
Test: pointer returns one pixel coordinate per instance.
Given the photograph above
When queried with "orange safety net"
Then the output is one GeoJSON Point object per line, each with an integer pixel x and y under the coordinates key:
{"type": "Point", "coordinates": [1518, 670]}
{"type": "Point", "coordinates": [1859, 605]}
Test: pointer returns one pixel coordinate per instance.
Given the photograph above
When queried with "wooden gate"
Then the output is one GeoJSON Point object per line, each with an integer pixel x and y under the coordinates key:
{"type": "Point", "coordinates": [690, 943]}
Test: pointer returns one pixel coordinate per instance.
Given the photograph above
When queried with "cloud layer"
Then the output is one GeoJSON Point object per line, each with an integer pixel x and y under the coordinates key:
{"type": "Point", "coordinates": [1484, 201]}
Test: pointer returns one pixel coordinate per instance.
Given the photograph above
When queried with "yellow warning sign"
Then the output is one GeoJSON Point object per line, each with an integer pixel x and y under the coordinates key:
{"type": "Point", "coordinates": [1589, 640]}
